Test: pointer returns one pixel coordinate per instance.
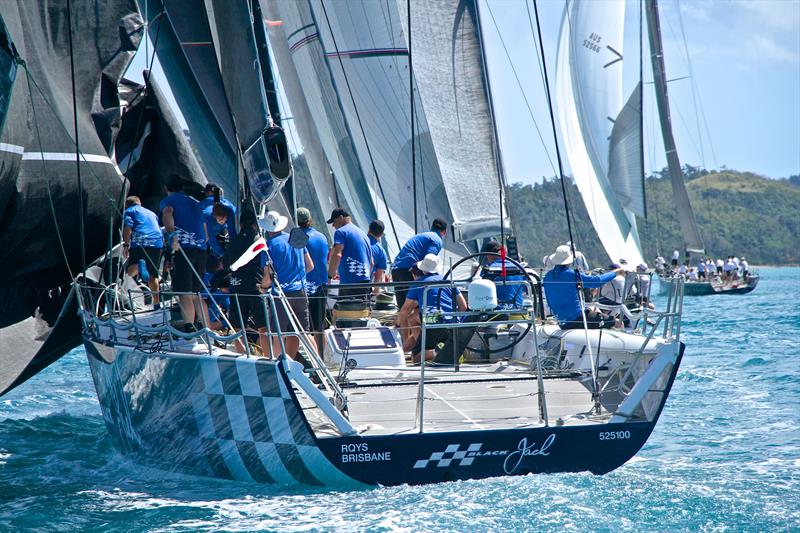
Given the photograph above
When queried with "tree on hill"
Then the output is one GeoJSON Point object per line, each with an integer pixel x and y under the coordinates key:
{"type": "Point", "coordinates": [738, 213]}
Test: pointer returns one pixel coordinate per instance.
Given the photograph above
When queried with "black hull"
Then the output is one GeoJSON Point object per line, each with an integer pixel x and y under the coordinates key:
{"type": "Point", "coordinates": [240, 419]}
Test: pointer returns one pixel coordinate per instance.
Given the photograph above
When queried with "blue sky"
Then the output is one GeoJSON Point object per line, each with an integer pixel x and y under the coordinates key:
{"type": "Point", "coordinates": [745, 60]}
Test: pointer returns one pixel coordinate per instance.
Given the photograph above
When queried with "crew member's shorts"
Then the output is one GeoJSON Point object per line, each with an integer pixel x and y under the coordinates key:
{"type": "Point", "coordinates": [398, 275]}
{"type": "Point", "coordinates": [317, 306]}
{"type": "Point", "coordinates": [183, 279]}
{"type": "Point", "coordinates": [298, 302]}
{"type": "Point", "coordinates": [151, 256]}
{"type": "Point", "coordinates": [245, 307]}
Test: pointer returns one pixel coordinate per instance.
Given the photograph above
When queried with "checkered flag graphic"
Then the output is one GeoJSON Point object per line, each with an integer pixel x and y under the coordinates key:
{"type": "Point", "coordinates": [450, 454]}
{"type": "Point", "coordinates": [356, 267]}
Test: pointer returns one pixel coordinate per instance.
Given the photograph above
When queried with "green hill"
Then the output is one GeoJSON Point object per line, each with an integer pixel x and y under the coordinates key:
{"type": "Point", "coordinates": [738, 213]}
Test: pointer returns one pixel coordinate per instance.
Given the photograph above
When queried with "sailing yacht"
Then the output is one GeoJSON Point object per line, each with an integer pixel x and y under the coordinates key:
{"type": "Point", "coordinates": [602, 129]}
{"type": "Point", "coordinates": [548, 400]}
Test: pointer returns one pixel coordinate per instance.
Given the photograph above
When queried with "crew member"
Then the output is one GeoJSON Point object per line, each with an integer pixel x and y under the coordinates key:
{"type": "Point", "coordinates": [509, 296]}
{"type": "Point", "coordinates": [246, 283]}
{"type": "Point", "coordinates": [375, 233]}
{"type": "Point", "coordinates": [417, 247]}
{"type": "Point", "coordinates": [219, 214]}
{"type": "Point", "coordinates": [351, 256]}
{"type": "Point", "coordinates": [744, 267]}
{"type": "Point", "coordinates": [142, 241]}
{"type": "Point", "coordinates": [437, 299]}
{"type": "Point", "coordinates": [562, 294]}
{"type": "Point", "coordinates": [316, 279]}
{"type": "Point", "coordinates": [289, 267]}
{"type": "Point", "coordinates": [187, 236]}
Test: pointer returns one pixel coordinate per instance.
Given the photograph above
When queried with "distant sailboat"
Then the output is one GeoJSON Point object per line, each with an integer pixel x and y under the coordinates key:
{"type": "Point", "coordinates": [693, 242]}
{"type": "Point", "coordinates": [603, 131]}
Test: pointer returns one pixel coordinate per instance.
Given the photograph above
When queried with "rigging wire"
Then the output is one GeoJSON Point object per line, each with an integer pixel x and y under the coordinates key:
{"type": "Point", "coordinates": [578, 281]}
{"type": "Point", "coordinates": [694, 91]}
{"type": "Point", "coordinates": [413, 130]}
{"type": "Point", "coordinates": [519, 83]}
{"type": "Point", "coordinates": [77, 140]}
{"type": "Point", "coordinates": [553, 125]}
{"type": "Point", "coordinates": [360, 124]}
{"type": "Point", "coordinates": [501, 177]}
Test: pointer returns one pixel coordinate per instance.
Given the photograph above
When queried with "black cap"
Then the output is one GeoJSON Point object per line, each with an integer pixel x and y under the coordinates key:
{"type": "Point", "coordinates": [210, 187]}
{"type": "Point", "coordinates": [336, 213]}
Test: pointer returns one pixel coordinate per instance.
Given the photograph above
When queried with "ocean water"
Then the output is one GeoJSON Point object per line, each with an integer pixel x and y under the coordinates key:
{"type": "Point", "coordinates": [725, 455]}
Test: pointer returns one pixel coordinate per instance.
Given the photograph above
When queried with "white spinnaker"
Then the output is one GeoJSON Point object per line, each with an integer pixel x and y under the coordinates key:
{"type": "Point", "coordinates": [589, 92]}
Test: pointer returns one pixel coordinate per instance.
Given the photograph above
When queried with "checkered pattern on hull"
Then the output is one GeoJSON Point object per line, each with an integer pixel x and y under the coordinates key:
{"type": "Point", "coordinates": [220, 416]}
{"type": "Point", "coordinates": [247, 420]}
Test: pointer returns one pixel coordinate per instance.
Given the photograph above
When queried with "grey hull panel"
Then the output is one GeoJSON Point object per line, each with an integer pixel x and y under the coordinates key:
{"type": "Point", "coordinates": [221, 417]}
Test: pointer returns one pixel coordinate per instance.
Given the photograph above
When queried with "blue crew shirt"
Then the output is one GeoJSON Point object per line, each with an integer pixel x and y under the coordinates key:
{"type": "Point", "coordinates": [508, 296]}
{"type": "Point", "coordinates": [288, 262]}
{"type": "Point", "coordinates": [433, 301]}
{"type": "Point", "coordinates": [417, 248]}
{"type": "Point", "coordinates": [214, 228]}
{"type": "Point", "coordinates": [562, 295]}
{"type": "Point", "coordinates": [356, 256]}
{"type": "Point", "coordinates": [378, 254]}
{"type": "Point", "coordinates": [145, 230]}
{"type": "Point", "coordinates": [317, 247]}
{"type": "Point", "coordinates": [188, 215]}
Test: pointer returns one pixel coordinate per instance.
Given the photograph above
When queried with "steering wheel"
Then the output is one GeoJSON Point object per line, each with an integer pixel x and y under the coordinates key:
{"type": "Point", "coordinates": [489, 257]}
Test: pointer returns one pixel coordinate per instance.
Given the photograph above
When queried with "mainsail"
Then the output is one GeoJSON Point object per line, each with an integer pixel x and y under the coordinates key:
{"type": "Point", "coordinates": [39, 193]}
{"type": "Point", "coordinates": [453, 85]}
{"type": "Point", "coordinates": [693, 242]}
{"type": "Point", "coordinates": [601, 131]}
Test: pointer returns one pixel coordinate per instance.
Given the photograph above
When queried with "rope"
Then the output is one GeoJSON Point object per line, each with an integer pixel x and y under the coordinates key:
{"type": "Point", "coordinates": [413, 130]}
{"type": "Point", "coordinates": [519, 84]}
{"type": "Point", "coordinates": [77, 140]}
{"type": "Point", "coordinates": [361, 125]}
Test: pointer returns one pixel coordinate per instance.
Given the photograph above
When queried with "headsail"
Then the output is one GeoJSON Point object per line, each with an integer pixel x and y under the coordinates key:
{"type": "Point", "coordinates": [37, 163]}
{"type": "Point", "coordinates": [352, 65]}
{"type": "Point", "coordinates": [181, 35]}
{"type": "Point", "coordinates": [601, 132]}
{"type": "Point", "coordinates": [151, 145]}
{"type": "Point", "coordinates": [351, 61]}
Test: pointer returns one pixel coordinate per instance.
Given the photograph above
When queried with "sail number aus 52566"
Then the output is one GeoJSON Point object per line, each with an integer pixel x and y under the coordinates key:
{"type": "Point", "coordinates": [614, 435]}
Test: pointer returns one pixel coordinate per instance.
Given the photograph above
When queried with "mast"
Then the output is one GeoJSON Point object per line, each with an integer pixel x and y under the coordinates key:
{"type": "Point", "coordinates": [693, 243]}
